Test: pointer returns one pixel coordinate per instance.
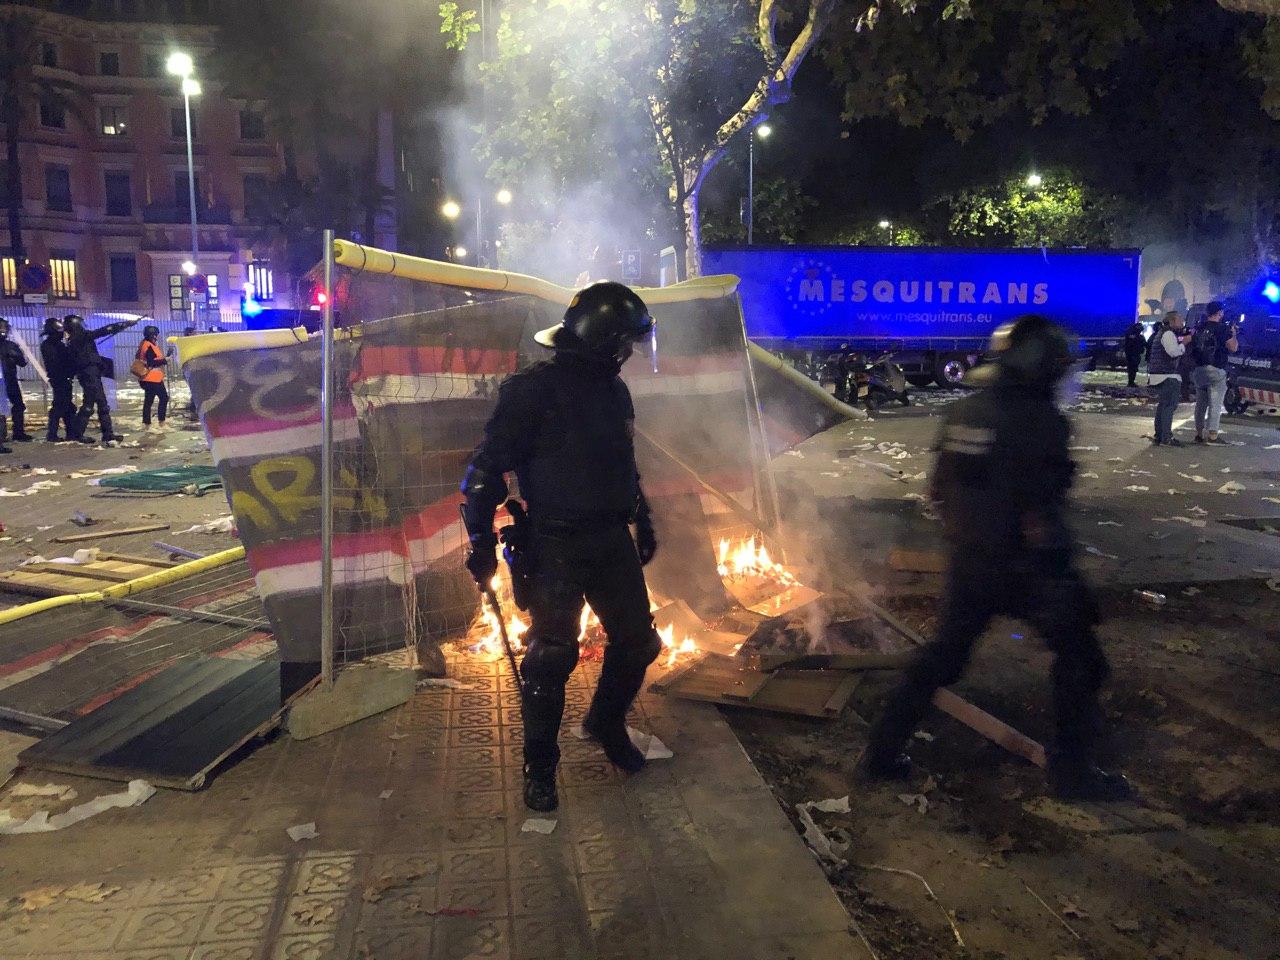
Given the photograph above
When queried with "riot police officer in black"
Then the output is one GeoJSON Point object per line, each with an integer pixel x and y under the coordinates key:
{"type": "Point", "coordinates": [565, 427]}
{"type": "Point", "coordinates": [82, 348]}
{"type": "Point", "coordinates": [11, 358]}
{"type": "Point", "coordinates": [1001, 478]}
{"type": "Point", "coordinates": [57, 365]}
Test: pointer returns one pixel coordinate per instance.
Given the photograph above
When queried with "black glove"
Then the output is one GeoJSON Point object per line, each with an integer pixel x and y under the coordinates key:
{"type": "Point", "coordinates": [482, 561]}
{"type": "Point", "coordinates": [646, 539]}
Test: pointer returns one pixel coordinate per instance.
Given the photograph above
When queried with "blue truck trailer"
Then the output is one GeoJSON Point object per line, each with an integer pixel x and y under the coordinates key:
{"type": "Point", "coordinates": [933, 308]}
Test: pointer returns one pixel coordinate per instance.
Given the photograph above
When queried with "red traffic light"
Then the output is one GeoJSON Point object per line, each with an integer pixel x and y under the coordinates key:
{"type": "Point", "coordinates": [320, 298]}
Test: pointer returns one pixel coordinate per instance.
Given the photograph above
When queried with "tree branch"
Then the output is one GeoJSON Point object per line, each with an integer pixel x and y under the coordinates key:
{"type": "Point", "coordinates": [767, 32]}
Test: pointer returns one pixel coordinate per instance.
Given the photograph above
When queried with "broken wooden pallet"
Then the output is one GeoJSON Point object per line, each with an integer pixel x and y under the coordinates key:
{"type": "Point", "coordinates": [57, 579]}
{"type": "Point", "coordinates": [730, 681]}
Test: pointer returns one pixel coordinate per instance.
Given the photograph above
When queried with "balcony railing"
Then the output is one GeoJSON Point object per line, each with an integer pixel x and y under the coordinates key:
{"type": "Point", "coordinates": [181, 213]}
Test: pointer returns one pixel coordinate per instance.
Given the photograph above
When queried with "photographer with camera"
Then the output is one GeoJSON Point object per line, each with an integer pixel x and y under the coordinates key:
{"type": "Point", "coordinates": [1212, 342]}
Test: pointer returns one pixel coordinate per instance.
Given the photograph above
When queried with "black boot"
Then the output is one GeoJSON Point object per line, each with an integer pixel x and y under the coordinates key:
{"type": "Point", "coordinates": [19, 427]}
{"type": "Point", "coordinates": [4, 435]}
{"type": "Point", "coordinates": [1077, 779]}
{"type": "Point", "coordinates": [606, 719]}
{"type": "Point", "coordinates": [543, 706]}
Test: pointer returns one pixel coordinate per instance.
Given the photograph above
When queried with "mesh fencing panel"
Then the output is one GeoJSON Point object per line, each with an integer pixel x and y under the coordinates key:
{"type": "Point", "coordinates": [416, 370]}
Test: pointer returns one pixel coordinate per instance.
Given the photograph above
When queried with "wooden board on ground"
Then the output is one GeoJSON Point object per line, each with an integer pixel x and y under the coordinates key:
{"type": "Point", "coordinates": [731, 682]}
{"type": "Point", "coordinates": [172, 729]}
{"type": "Point", "coordinates": [917, 561]}
{"type": "Point", "coordinates": [116, 532]}
{"type": "Point", "coordinates": [768, 662]}
{"type": "Point", "coordinates": [56, 579]}
{"type": "Point", "coordinates": [12, 744]}
{"type": "Point", "coordinates": [683, 622]}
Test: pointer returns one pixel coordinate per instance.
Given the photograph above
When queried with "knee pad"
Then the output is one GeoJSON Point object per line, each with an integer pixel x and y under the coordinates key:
{"type": "Point", "coordinates": [637, 651]}
{"type": "Point", "coordinates": [550, 659]}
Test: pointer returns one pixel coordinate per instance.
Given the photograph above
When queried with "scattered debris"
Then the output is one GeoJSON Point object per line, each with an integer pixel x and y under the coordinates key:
{"type": "Point", "coordinates": [118, 532]}
{"type": "Point", "coordinates": [923, 735]}
{"type": "Point", "coordinates": [538, 825]}
{"type": "Point", "coordinates": [1089, 476]}
{"type": "Point", "coordinates": [1054, 913]}
{"type": "Point", "coordinates": [1193, 477]}
{"type": "Point", "coordinates": [225, 524]}
{"type": "Point", "coordinates": [385, 794]}
{"type": "Point", "coordinates": [928, 889]}
{"type": "Point", "coordinates": [1127, 926]}
{"type": "Point", "coordinates": [375, 889]}
{"type": "Point", "coordinates": [81, 519]}
{"type": "Point", "coordinates": [53, 791]}
{"type": "Point", "coordinates": [917, 800]}
{"type": "Point", "coordinates": [824, 848]}
{"type": "Point", "coordinates": [1151, 597]}
{"type": "Point", "coordinates": [109, 471]}
{"type": "Point", "coordinates": [29, 491]}
{"type": "Point", "coordinates": [1110, 523]}
{"type": "Point", "coordinates": [313, 914]}
{"type": "Point", "coordinates": [1181, 645]}
{"type": "Point", "coordinates": [1231, 486]}
{"type": "Point", "coordinates": [1134, 488]}
{"type": "Point", "coordinates": [89, 892]}
{"type": "Point", "coordinates": [1096, 552]}
{"type": "Point", "coordinates": [302, 831]}
{"type": "Point", "coordinates": [1080, 449]}
{"type": "Point", "coordinates": [138, 791]}
{"type": "Point", "coordinates": [448, 682]}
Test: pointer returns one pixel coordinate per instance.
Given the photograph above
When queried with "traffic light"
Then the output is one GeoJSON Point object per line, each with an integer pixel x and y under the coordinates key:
{"type": "Point", "coordinates": [319, 298]}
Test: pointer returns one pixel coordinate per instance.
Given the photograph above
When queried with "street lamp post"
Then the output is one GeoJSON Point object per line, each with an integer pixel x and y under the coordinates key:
{"type": "Point", "coordinates": [888, 225]}
{"type": "Point", "coordinates": [764, 130]}
{"type": "Point", "coordinates": [181, 65]}
{"type": "Point", "coordinates": [1034, 180]}
{"type": "Point", "coordinates": [452, 210]}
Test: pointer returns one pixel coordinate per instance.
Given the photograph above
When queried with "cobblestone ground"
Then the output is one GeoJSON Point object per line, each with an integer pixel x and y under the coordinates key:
{"type": "Point", "coordinates": [421, 854]}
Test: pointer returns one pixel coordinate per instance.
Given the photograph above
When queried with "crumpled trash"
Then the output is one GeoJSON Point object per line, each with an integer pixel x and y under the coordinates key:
{"type": "Point", "coordinates": [646, 743]}
{"type": "Point", "coordinates": [221, 525]}
{"type": "Point", "coordinates": [83, 556]}
{"type": "Point", "coordinates": [824, 848]}
{"type": "Point", "coordinates": [82, 519]}
{"type": "Point", "coordinates": [138, 791]}
{"type": "Point", "coordinates": [302, 831]}
{"type": "Point", "coordinates": [28, 491]}
{"type": "Point", "coordinates": [1231, 486]}
{"type": "Point", "coordinates": [41, 472]}
{"type": "Point", "coordinates": [54, 791]}
{"type": "Point", "coordinates": [538, 825]}
{"type": "Point", "coordinates": [917, 800]}
{"type": "Point", "coordinates": [107, 472]}
{"type": "Point", "coordinates": [1134, 488]}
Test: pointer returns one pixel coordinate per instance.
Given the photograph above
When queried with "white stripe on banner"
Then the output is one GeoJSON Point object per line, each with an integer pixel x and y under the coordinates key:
{"type": "Point", "coordinates": [381, 566]}
{"type": "Point", "coordinates": [270, 443]}
{"type": "Point", "coordinates": [690, 384]}
{"type": "Point", "coordinates": [393, 389]}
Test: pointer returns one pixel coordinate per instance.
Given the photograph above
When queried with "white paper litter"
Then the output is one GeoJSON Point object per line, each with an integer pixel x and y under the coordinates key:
{"type": "Point", "coordinates": [1198, 511]}
{"type": "Point", "coordinates": [538, 825]}
{"type": "Point", "coordinates": [923, 735]}
{"type": "Point", "coordinates": [1225, 470]}
{"type": "Point", "coordinates": [57, 791]}
{"type": "Point", "coordinates": [1082, 448]}
{"type": "Point", "coordinates": [831, 804]}
{"type": "Point", "coordinates": [1110, 523]}
{"type": "Point", "coordinates": [41, 472]}
{"type": "Point", "coordinates": [1190, 521]}
{"type": "Point", "coordinates": [1089, 476]}
{"type": "Point", "coordinates": [107, 472]}
{"type": "Point", "coordinates": [827, 851]}
{"type": "Point", "coordinates": [302, 831]}
{"type": "Point", "coordinates": [1134, 488]}
{"type": "Point", "coordinates": [138, 791]}
{"type": "Point", "coordinates": [917, 800]}
{"type": "Point", "coordinates": [385, 794]}
{"type": "Point", "coordinates": [1193, 477]}
{"type": "Point", "coordinates": [1231, 486]}
{"type": "Point", "coordinates": [28, 491]}
{"type": "Point", "coordinates": [87, 555]}
{"type": "Point", "coordinates": [1094, 551]}
{"type": "Point", "coordinates": [221, 525]}
{"type": "Point", "coordinates": [1274, 446]}
{"type": "Point", "coordinates": [449, 682]}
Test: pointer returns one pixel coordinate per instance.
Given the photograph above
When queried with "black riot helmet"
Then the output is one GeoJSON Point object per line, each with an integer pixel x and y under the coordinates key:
{"type": "Point", "coordinates": [603, 322]}
{"type": "Point", "coordinates": [150, 332]}
{"type": "Point", "coordinates": [73, 323]}
{"type": "Point", "coordinates": [52, 327]}
{"type": "Point", "coordinates": [1031, 351]}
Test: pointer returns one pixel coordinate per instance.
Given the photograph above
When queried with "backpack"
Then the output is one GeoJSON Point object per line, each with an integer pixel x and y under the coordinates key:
{"type": "Point", "coordinates": [1156, 333]}
{"type": "Point", "coordinates": [1204, 344]}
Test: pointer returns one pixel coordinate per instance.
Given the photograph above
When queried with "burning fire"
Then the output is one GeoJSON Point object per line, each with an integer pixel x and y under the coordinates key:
{"type": "Point", "coordinates": [485, 637]}
{"type": "Point", "coordinates": [748, 558]}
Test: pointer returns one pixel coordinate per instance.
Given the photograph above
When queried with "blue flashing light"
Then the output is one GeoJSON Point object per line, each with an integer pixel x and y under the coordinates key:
{"type": "Point", "coordinates": [1271, 290]}
{"type": "Point", "coordinates": [250, 307]}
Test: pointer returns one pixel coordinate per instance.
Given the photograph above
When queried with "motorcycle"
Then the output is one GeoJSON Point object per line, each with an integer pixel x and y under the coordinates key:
{"type": "Point", "coordinates": [877, 382]}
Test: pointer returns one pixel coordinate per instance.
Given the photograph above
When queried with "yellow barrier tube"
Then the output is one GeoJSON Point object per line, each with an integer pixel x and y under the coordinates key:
{"type": "Point", "coordinates": [152, 580]}
{"type": "Point", "coordinates": [763, 357]}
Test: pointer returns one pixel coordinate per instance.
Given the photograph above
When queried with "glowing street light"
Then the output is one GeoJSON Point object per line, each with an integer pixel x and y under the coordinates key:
{"type": "Point", "coordinates": [189, 267]}
{"type": "Point", "coordinates": [191, 87]}
{"type": "Point", "coordinates": [459, 253]}
{"type": "Point", "coordinates": [888, 225]}
{"type": "Point", "coordinates": [1034, 180]}
{"type": "Point", "coordinates": [180, 64]}
{"type": "Point", "coordinates": [503, 196]}
{"type": "Point", "coordinates": [763, 131]}
{"type": "Point", "coordinates": [885, 224]}
{"type": "Point", "coordinates": [451, 209]}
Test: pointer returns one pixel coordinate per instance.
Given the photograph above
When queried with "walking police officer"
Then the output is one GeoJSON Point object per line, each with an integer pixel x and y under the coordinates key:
{"type": "Point", "coordinates": [82, 346]}
{"type": "Point", "coordinates": [11, 358]}
{"type": "Point", "coordinates": [565, 428]}
{"type": "Point", "coordinates": [1001, 479]}
{"type": "Point", "coordinates": [57, 366]}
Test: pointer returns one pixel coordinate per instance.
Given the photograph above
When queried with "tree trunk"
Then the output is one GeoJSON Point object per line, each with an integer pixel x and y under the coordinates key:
{"type": "Point", "coordinates": [692, 234]}
{"type": "Point", "coordinates": [13, 180]}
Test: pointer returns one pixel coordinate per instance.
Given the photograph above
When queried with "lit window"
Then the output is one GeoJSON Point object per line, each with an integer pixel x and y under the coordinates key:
{"type": "Point", "coordinates": [177, 291]}
{"type": "Point", "coordinates": [261, 280]}
{"type": "Point", "coordinates": [9, 276]}
{"type": "Point", "coordinates": [63, 270]}
{"type": "Point", "coordinates": [213, 289]}
{"type": "Point", "coordinates": [115, 121]}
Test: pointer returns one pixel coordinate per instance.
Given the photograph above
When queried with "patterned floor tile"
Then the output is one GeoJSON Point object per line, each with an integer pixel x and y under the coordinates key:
{"type": "Point", "coordinates": [237, 920]}
{"type": "Point", "coordinates": [322, 873]}
{"type": "Point", "coordinates": [459, 938]}
{"type": "Point", "coordinates": [165, 926]}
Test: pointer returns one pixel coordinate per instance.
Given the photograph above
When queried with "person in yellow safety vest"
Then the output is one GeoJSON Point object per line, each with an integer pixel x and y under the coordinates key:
{"type": "Point", "coordinates": [153, 386]}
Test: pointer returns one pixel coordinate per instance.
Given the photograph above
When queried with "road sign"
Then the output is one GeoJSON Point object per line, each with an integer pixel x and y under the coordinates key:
{"type": "Point", "coordinates": [34, 278]}
{"type": "Point", "coordinates": [630, 264]}
{"type": "Point", "coordinates": [198, 284]}
{"type": "Point", "coordinates": [35, 298]}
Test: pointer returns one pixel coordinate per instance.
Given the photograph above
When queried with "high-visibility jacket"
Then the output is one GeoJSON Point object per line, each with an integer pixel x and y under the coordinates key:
{"type": "Point", "coordinates": [153, 357]}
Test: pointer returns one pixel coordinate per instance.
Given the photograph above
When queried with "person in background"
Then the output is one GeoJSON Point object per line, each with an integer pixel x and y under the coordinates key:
{"type": "Point", "coordinates": [57, 364]}
{"type": "Point", "coordinates": [153, 386]}
{"type": "Point", "coordinates": [1135, 345]}
{"type": "Point", "coordinates": [1168, 344]}
{"type": "Point", "coordinates": [82, 344]}
{"type": "Point", "coordinates": [11, 358]}
{"type": "Point", "coordinates": [1212, 343]}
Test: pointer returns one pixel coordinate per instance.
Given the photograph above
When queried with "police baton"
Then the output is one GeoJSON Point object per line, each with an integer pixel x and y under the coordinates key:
{"type": "Point", "coordinates": [491, 595]}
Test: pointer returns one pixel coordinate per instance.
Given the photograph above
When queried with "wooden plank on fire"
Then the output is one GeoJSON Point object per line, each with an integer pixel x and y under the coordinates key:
{"type": "Point", "coordinates": [768, 662]}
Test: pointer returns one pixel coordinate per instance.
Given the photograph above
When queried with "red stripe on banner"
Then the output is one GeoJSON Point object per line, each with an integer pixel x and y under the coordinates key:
{"type": "Point", "coordinates": [253, 639]}
{"type": "Point", "coordinates": [425, 523]}
{"type": "Point", "coordinates": [229, 427]}
{"type": "Point", "coordinates": [409, 361]}
{"type": "Point", "coordinates": [70, 646]}
{"type": "Point", "coordinates": [125, 687]}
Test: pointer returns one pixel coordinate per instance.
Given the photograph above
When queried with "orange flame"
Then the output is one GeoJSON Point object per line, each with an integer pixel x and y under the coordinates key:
{"type": "Point", "coordinates": [747, 558]}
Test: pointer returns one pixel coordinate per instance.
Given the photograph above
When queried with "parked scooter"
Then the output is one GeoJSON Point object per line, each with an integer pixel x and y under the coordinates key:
{"type": "Point", "coordinates": [877, 382]}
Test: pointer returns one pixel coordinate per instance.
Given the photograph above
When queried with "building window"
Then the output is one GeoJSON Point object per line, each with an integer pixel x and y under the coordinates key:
{"type": "Point", "coordinates": [119, 193]}
{"type": "Point", "coordinates": [53, 115]}
{"type": "Point", "coordinates": [57, 189]}
{"type": "Point", "coordinates": [257, 197]}
{"type": "Point", "coordinates": [114, 121]}
{"type": "Point", "coordinates": [178, 123]}
{"type": "Point", "coordinates": [151, 65]}
{"type": "Point", "coordinates": [182, 190]}
{"type": "Point", "coordinates": [62, 265]}
{"type": "Point", "coordinates": [261, 280]}
{"type": "Point", "coordinates": [124, 278]}
{"type": "Point", "coordinates": [9, 276]}
{"type": "Point", "coordinates": [49, 54]}
{"type": "Point", "coordinates": [212, 299]}
{"type": "Point", "coordinates": [109, 64]}
{"type": "Point", "coordinates": [253, 125]}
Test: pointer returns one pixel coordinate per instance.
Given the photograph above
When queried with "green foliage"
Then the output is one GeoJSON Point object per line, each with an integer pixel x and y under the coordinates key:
{"type": "Point", "coordinates": [869, 233]}
{"type": "Point", "coordinates": [781, 210]}
{"type": "Point", "coordinates": [1060, 212]}
{"type": "Point", "coordinates": [457, 25]}
{"type": "Point", "coordinates": [1262, 55]}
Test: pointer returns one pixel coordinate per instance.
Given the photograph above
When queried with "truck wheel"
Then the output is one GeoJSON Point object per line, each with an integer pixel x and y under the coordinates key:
{"type": "Point", "coordinates": [919, 380]}
{"type": "Point", "coordinates": [949, 370]}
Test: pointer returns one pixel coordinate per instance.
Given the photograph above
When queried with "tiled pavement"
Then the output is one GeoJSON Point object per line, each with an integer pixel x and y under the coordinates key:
{"type": "Point", "coordinates": [692, 858]}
